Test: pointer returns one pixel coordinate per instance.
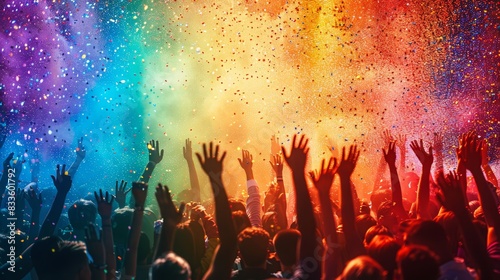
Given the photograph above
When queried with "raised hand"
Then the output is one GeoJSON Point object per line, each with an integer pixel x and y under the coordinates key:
{"type": "Point", "coordinates": [95, 246]}
{"type": "Point", "coordinates": [275, 146]}
{"type": "Point", "coordinates": [484, 152]}
{"type": "Point", "coordinates": [246, 160]}
{"type": "Point", "coordinates": [155, 155]}
{"type": "Point", "coordinates": [277, 164]}
{"type": "Point", "coordinates": [390, 154]}
{"type": "Point", "coordinates": [347, 164]}
{"type": "Point", "coordinates": [170, 214]}
{"type": "Point", "coordinates": [187, 151]}
{"type": "Point", "coordinates": [425, 158]}
{"type": "Point", "coordinates": [451, 194]}
{"type": "Point", "coordinates": [210, 162]}
{"type": "Point", "coordinates": [470, 151]}
{"type": "Point", "coordinates": [438, 142]}
{"type": "Point", "coordinates": [323, 179]}
{"type": "Point", "coordinates": [140, 192]}
{"type": "Point", "coordinates": [387, 137]}
{"type": "Point", "coordinates": [298, 154]}
{"type": "Point", "coordinates": [34, 201]}
{"type": "Point", "coordinates": [80, 150]}
{"type": "Point", "coordinates": [104, 204]}
{"type": "Point", "coordinates": [62, 181]}
{"type": "Point", "coordinates": [121, 193]}
{"type": "Point", "coordinates": [401, 141]}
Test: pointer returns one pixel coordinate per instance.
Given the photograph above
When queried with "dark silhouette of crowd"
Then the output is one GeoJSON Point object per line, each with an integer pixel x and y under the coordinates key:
{"type": "Point", "coordinates": [432, 225]}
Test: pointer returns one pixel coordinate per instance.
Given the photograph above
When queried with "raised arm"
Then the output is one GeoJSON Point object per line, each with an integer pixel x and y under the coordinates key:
{"type": "Point", "coordinates": [223, 260]}
{"type": "Point", "coordinates": [253, 200]}
{"type": "Point", "coordinates": [105, 208]}
{"type": "Point", "coordinates": [23, 263]}
{"type": "Point", "coordinates": [461, 169]}
{"type": "Point", "coordinates": [354, 243]}
{"type": "Point", "coordinates": [35, 202]}
{"type": "Point", "coordinates": [401, 144]}
{"type": "Point", "coordinates": [62, 182]}
{"type": "Point", "coordinates": [452, 198]}
{"type": "Point", "coordinates": [155, 157]}
{"type": "Point", "coordinates": [121, 193]}
{"type": "Point", "coordinates": [95, 247]}
{"type": "Point", "coordinates": [472, 160]}
{"type": "Point", "coordinates": [397, 195]}
{"type": "Point", "coordinates": [80, 156]}
{"type": "Point", "coordinates": [277, 166]}
{"type": "Point", "coordinates": [438, 151]}
{"type": "Point", "coordinates": [379, 176]}
{"type": "Point", "coordinates": [139, 192]}
{"type": "Point", "coordinates": [171, 218]}
{"type": "Point", "coordinates": [309, 244]}
{"type": "Point", "coordinates": [323, 180]}
{"type": "Point", "coordinates": [486, 165]}
{"type": "Point", "coordinates": [193, 176]}
{"type": "Point", "coordinates": [423, 191]}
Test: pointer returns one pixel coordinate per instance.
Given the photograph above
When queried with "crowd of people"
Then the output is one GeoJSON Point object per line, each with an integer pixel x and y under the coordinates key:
{"type": "Point", "coordinates": [432, 225]}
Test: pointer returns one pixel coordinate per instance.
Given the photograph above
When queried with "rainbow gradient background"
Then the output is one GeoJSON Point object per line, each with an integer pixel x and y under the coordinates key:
{"type": "Point", "coordinates": [120, 73]}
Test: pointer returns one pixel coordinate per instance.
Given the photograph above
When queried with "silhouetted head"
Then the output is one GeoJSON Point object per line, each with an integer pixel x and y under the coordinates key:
{"type": "Point", "coordinates": [374, 231]}
{"type": "Point", "coordinates": [417, 262]}
{"type": "Point", "coordinates": [237, 205]}
{"type": "Point", "coordinates": [170, 266]}
{"type": "Point", "coordinates": [253, 243]}
{"type": "Point", "coordinates": [363, 223]}
{"type": "Point", "coordinates": [431, 235]}
{"type": "Point", "coordinates": [362, 268]}
{"type": "Point", "coordinates": [56, 259]}
{"type": "Point", "coordinates": [241, 220]}
{"type": "Point", "coordinates": [183, 244]}
{"type": "Point", "coordinates": [384, 249]}
{"type": "Point", "coordinates": [81, 213]}
{"type": "Point", "coordinates": [286, 243]}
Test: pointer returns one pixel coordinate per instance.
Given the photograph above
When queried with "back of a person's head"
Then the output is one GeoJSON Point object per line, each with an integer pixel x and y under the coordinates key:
{"type": "Point", "coordinates": [384, 249]}
{"type": "Point", "coordinates": [81, 213]}
{"type": "Point", "coordinates": [183, 243]}
{"type": "Point", "coordinates": [236, 205]}
{"type": "Point", "coordinates": [199, 240]}
{"type": "Point", "coordinates": [417, 262]}
{"type": "Point", "coordinates": [430, 234]}
{"type": "Point", "coordinates": [450, 225]}
{"type": "Point", "coordinates": [253, 244]}
{"type": "Point", "coordinates": [270, 223]}
{"type": "Point", "coordinates": [379, 196]}
{"type": "Point", "coordinates": [362, 268]}
{"type": "Point", "coordinates": [170, 266]}
{"type": "Point", "coordinates": [121, 219]}
{"type": "Point", "coordinates": [286, 245]}
{"type": "Point", "coordinates": [374, 231]}
{"type": "Point", "coordinates": [363, 222]}
{"type": "Point", "coordinates": [56, 259]}
{"type": "Point", "coordinates": [241, 220]}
